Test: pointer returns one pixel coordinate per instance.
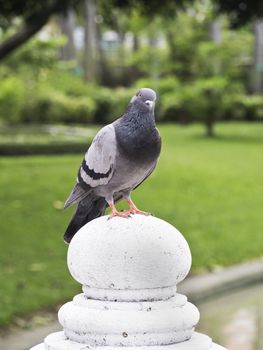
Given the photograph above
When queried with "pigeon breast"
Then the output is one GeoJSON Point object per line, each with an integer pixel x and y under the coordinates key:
{"type": "Point", "coordinates": [137, 136]}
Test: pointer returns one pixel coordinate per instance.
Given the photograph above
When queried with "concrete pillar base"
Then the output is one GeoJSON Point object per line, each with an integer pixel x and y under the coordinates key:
{"type": "Point", "coordinates": [58, 341]}
{"type": "Point", "coordinates": [129, 270]}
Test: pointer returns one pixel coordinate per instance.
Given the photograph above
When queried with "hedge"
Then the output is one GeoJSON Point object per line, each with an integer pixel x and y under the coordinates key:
{"type": "Point", "coordinates": [36, 149]}
{"type": "Point", "coordinates": [79, 102]}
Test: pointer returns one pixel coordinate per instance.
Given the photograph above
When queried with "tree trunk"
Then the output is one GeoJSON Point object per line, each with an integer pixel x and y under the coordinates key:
{"type": "Point", "coordinates": [154, 63]}
{"type": "Point", "coordinates": [258, 57]}
{"type": "Point", "coordinates": [171, 45]}
{"type": "Point", "coordinates": [90, 41]}
{"type": "Point", "coordinates": [134, 71]}
{"type": "Point", "coordinates": [215, 35]}
{"type": "Point", "coordinates": [210, 127]}
{"type": "Point", "coordinates": [103, 71]}
{"type": "Point", "coordinates": [210, 116]}
{"type": "Point", "coordinates": [67, 24]}
{"type": "Point", "coordinates": [29, 29]}
{"type": "Point", "coordinates": [210, 119]}
{"type": "Point", "coordinates": [135, 42]}
{"type": "Point", "coordinates": [215, 32]}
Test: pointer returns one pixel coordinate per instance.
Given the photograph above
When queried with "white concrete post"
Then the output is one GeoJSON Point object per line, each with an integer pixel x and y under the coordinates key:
{"type": "Point", "coordinates": [129, 269]}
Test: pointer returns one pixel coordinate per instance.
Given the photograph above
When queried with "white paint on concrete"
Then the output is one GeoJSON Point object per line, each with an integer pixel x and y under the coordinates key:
{"type": "Point", "coordinates": [129, 269]}
{"type": "Point", "coordinates": [152, 323]}
{"type": "Point", "coordinates": [161, 293]}
{"type": "Point", "coordinates": [58, 341]}
{"type": "Point", "coordinates": [142, 252]}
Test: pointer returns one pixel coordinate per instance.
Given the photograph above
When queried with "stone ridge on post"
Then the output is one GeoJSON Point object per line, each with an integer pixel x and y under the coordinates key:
{"type": "Point", "coordinates": [129, 269]}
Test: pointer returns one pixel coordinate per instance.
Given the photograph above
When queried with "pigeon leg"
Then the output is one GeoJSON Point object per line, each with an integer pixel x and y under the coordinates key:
{"type": "Point", "coordinates": [133, 209]}
{"type": "Point", "coordinates": [115, 212]}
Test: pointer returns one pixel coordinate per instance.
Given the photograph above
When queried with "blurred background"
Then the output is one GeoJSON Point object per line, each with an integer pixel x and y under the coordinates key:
{"type": "Point", "coordinates": [68, 67]}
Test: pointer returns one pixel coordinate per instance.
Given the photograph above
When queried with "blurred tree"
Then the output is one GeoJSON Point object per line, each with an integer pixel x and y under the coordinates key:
{"type": "Point", "coordinates": [215, 31]}
{"type": "Point", "coordinates": [150, 8]}
{"type": "Point", "coordinates": [216, 37]}
{"type": "Point", "coordinates": [240, 12]}
{"type": "Point", "coordinates": [67, 24]}
{"type": "Point", "coordinates": [258, 57]}
{"type": "Point", "coordinates": [34, 15]}
{"type": "Point", "coordinates": [90, 40]}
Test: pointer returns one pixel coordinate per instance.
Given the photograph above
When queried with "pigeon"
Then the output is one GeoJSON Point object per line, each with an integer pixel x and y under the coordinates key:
{"type": "Point", "coordinates": [121, 156]}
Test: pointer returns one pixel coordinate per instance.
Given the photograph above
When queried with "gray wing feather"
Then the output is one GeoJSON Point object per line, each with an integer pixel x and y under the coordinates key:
{"type": "Point", "coordinates": [100, 158]}
{"type": "Point", "coordinates": [76, 195]}
{"type": "Point", "coordinates": [97, 167]}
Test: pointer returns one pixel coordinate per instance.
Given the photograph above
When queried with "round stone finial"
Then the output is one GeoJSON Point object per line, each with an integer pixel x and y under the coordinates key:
{"type": "Point", "coordinates": [118, 257]}
{"type": "Point", "coordinates": [129, 269]}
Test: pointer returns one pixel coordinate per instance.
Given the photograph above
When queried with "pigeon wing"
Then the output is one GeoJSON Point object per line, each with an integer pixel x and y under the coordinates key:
{"type": "Point", "coordinates": [98, 165]}
{"type": "Point", "coordinates": [77, 194]}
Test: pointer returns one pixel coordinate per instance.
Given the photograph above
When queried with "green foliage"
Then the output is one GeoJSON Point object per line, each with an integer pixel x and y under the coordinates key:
{"type": "Point", "coordinates": [254, 107]}
{"type": "Point", "coordinates": [204, 96]}
{"type": "Point", "coordinates": [56, 107]}
{"type": "Point", "coordinates": [183, 48]}
{"type": "Point", "coordinates": [229, 58]}
{"type": "Point", "coordinates": [150, 61]}
{"type": "Point", "coordinates": [195, 78]}
{"type": "Point", "coordinates": [196, 101]}
{"type": "Point", "coordinates": [240, 13]}
{"type": "Point", "coordinates": [56, 95]}
{"type": "Point", "coordinates": [11, 99]}
{"type": "Point", "coordinates": [36, 56]}
{"type": "Point", "coordinates": [209, 80]}
{"type": "Point", "coordinates": [110, 104]}
{"type": "Point", "coordinates": [107, 104]}
{"type": "Point", "coordinates": [162, 86]}
{"type": "Point", "coordinates": [61, 97]}
{"type": "Point", "coordinates": [37, 62]}
{"type": "Point", "coordinates": [147, 8]}
{"type": "Point", "coordinates": [201, 198]}
{"type": "Point", "coordinates": [249, 107]}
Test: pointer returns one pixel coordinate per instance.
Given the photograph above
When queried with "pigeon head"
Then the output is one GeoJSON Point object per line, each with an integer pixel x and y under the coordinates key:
{"type": "Point", "coordinates": [145, 98]}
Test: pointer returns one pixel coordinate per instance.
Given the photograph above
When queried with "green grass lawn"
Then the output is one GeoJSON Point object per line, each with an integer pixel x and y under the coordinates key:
{"type": "Point", "coordinates": [211, 190]}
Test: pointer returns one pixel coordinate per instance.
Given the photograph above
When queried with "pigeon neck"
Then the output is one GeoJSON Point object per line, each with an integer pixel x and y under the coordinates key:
{"type": "Point", "coordinates": [138, 117]}
{"type": "Point", "coordinates": [137, 135]}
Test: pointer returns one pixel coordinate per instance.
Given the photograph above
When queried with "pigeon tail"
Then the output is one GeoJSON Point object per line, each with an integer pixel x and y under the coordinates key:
{"type": "Point", "coordinates": [88, 209]}
{"type": "Point", "coordinates": [77, 195]}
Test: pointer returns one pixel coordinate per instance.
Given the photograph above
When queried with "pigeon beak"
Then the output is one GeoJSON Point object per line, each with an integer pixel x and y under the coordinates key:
{"type": "Point", "coordinates": [149, 103]}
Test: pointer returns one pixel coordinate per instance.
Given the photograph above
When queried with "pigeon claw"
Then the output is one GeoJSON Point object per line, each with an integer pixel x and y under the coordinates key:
{"type": "Point", "coordinates": [121, 214]}
{"type": "Point", "coordinates": [134, 210]}
{"type": "Point", "coordinates": [140, 212]}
